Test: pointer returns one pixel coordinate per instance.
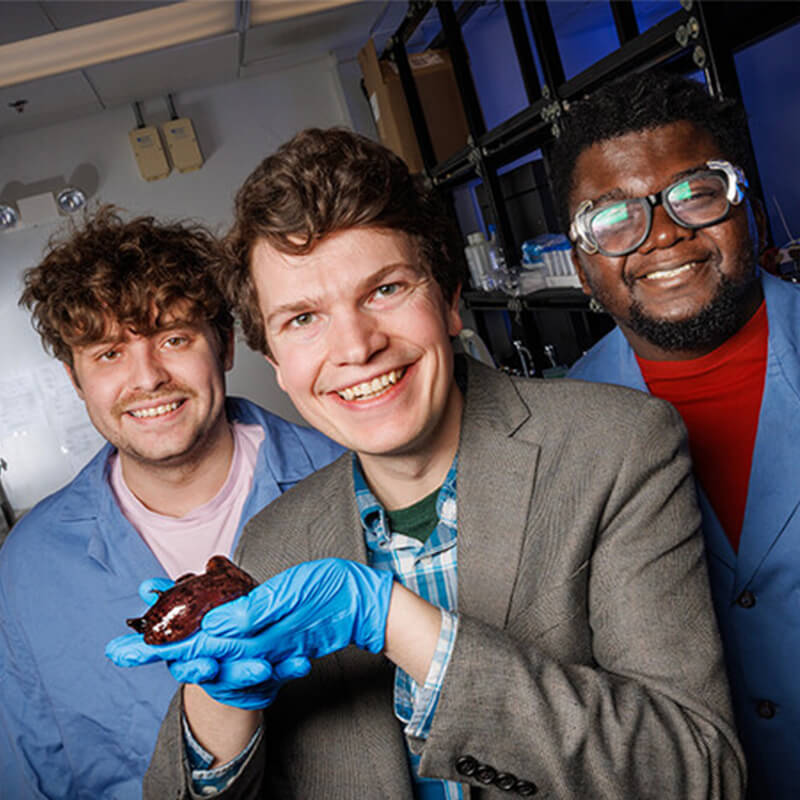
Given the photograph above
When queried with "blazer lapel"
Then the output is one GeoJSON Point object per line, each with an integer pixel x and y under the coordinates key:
{"type": "Point", "coordinates": [771, 499]}
{"type": "Point", "coordinates": [494, 486]}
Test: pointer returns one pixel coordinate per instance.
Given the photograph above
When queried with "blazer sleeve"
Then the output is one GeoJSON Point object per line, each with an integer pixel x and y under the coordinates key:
{"type": "Point", "coordinates": [640, 710]}
{"type": "Point", "coordinates": [167, 775]}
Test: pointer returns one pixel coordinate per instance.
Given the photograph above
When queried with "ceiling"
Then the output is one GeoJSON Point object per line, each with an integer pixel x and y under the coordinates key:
{"type": "Point", "coordinates": [60, 59]}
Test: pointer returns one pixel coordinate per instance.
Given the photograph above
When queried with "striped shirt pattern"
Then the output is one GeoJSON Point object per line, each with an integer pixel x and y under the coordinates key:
{"type": "Point", "coordinates": [429, 570]}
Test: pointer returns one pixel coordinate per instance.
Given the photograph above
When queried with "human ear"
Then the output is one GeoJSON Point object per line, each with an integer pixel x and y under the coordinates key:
{"type": "Point", "coordinates": [454, 321]}
{"type": "Point", "coordinates": [274, 364]}
{"type": "Point", "coordinates": [228, 349]}
{"type": "Point", "coordinates": [74, 380]}
{"type": "Point", "coordinates": [579, 271]}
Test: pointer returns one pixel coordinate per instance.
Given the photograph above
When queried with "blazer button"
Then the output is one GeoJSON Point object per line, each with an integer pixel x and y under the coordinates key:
{"type": "Point", "coordinates": [505, 781]}
{"type": "Point", "coordinates": [486, 774]}
{"type": "Point", "coordinates": [525, 788]}
{"type": "Point", "coordinates": [766, 709]}
{"type": "Point", "coordinates": [466, 765]}
{"type": "Point", "coordinates": [746, 599]}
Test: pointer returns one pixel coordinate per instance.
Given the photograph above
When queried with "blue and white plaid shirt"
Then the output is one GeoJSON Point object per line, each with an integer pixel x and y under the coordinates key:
{"type": "Point", "coordinates": [430, 570]}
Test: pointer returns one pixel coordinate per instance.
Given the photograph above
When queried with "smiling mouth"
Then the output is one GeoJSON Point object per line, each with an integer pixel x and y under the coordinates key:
{"type": "Point", "coordinates": [373, 388]}
{"type": "Point", "coordinates": [156, 411]}
{"type": "Point", "coordinates": [664, 274]}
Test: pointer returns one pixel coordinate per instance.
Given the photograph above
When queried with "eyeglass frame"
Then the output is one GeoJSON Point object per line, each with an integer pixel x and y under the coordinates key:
{"type": "Point", "coordinates": [580, 234]}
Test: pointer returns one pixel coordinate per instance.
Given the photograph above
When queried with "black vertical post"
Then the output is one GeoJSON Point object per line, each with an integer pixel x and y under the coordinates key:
{"type": "Point", "coordinates": [713, 53]}
{"type": "Point", "coordinates": [397, 50]}
{"type": "Point", "coordinates": [522, 46]}
{"type": "Point", "coordinates": [545, 40]}
{"type": "Point", "coordinates": [461, 69]}
{"type": "Point", "coordinates": [624, 20]}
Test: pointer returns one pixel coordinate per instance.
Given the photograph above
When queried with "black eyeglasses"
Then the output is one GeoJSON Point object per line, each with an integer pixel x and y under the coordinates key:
{"type": "Point", "coordinates": [616, 228]}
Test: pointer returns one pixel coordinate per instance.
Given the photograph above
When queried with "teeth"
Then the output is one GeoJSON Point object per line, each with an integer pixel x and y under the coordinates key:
{"type": "Point", "coordinates": [668, 273]}
{"type": "Point", "coordinates": [157, 411]}
{"type": "Point", "coordinates": [373, 387]}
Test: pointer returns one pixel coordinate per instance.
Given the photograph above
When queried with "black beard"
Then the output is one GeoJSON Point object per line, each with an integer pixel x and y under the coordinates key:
{"type": "Point", "coordinates": [718, 321]}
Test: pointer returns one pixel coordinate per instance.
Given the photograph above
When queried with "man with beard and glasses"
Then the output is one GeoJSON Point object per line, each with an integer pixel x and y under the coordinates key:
{"type": "Point", "coordinates": [653, 176]}
{"type": "Point", "coordinates": [134, 313]}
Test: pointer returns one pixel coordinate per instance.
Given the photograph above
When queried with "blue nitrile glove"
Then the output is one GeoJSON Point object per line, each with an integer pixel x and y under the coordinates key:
{"type": "Point", "coordinates": [245, 683]}
{"type": "Point", "coordinates": [309, 610]}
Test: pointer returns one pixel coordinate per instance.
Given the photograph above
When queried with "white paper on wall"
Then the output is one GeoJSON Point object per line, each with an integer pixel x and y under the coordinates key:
{"type": "Point", "coordinates": [46, 436]}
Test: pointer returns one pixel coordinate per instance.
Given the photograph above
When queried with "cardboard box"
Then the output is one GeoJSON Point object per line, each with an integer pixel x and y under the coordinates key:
{"type": "Point", "coordinates": [438, 93]}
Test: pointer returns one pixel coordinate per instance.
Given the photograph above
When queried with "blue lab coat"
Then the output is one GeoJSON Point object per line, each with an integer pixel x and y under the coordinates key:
{"type": "Point", "coordinates": [757, 591]}
{"type": "Point", "coordinates": [72, 725]}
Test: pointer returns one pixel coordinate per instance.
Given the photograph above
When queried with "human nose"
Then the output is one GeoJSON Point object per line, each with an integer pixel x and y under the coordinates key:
{"type": "Point", "coordinates": [664, 231]}
{"type": "Point", "coordinates": [356, 337]}
{"type": "Point", "coordinates": [147, 369]}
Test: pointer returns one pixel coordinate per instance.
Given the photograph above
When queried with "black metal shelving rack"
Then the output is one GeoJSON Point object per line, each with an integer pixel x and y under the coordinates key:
{"type": "Point", "coordinates": [699, 35]}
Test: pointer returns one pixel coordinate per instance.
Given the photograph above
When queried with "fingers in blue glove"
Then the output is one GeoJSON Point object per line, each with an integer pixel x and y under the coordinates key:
{"type": "Point", "coordinates": [131, 650]}
{"type": "Point", "coordinates": [150, 589]}
{"type": "Point", "coordinates": [243, 683]}
{"type": "Point", "coordinates": [310, 610]}
{"type": "Point", "coordinates": [195, 671]}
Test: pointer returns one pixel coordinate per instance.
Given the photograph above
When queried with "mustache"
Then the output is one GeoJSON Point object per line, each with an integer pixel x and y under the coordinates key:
{"type": "Point", "coordinates": [167, 392]}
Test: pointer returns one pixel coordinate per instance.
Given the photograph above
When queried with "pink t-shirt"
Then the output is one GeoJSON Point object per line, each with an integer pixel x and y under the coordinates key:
{"type": "Point", "coordinates": [184, 544]}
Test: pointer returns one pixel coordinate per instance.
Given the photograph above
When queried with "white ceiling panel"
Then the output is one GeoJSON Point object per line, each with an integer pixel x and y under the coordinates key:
{"type": "Point", "coordinates": [49, 100]}
{"type": "Point", "coordinates": [318, 33]}
{"type": "Point", "coordinates": [72, 13]}
{"type": "Point", "coordinates": [20, 19]}
{"type": "Point", "coordinates": [188, 66]}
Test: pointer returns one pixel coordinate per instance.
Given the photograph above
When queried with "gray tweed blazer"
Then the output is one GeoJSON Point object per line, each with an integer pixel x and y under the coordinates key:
{"type": "Point", "coordinates": [587, 662]}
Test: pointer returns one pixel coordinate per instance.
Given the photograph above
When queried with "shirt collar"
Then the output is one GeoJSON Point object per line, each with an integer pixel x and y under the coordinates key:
{"type": "Point", "coordinates": [373, 516]}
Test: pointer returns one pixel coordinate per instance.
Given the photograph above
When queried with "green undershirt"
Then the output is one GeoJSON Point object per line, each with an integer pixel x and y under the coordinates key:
{"type": "Point", "coordinates": [418, 520]}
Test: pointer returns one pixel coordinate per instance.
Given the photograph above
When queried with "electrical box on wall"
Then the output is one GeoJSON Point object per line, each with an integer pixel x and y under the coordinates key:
{"type": "Point", "coordinates": [149, 152]}
{"type": "Point", "coordinates": [182, 143]}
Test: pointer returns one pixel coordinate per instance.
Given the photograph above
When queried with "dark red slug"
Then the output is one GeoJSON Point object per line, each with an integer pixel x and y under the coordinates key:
{"type": "Point", "coordinates": [178, 611]}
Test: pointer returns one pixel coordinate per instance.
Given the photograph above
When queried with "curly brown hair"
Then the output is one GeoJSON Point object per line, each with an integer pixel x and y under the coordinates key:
{"type": "Point", "coordinates": [321, 182]}
{"type": "Point", "coordinates": [110, 272]}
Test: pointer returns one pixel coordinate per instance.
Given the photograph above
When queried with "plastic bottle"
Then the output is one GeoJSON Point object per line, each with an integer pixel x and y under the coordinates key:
{"type": "Point", "coordinates": [478, 260]}
{"type": "Point", "coordinates": [504, 278]}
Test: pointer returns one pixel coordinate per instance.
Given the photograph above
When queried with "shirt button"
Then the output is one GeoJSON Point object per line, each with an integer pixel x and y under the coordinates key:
{"type": "Point", "coordinates": [486, 774]}
{"type": "Point", "coordinates": [766, 709]}
{"type": "Point", "coordinates": [505, 781]}
{"type": "Point", "coordinates": [746, 599]}
{"type": "Point", "coordinates": [466, 765]}
{"type": "Point", "coordinates": [525, 788]}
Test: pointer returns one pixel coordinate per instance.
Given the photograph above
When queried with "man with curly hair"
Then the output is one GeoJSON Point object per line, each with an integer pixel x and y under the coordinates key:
{"type": "Point", "coordinates": [666, 236]}
{"type": "Point", "coordinates": [133, 311]}
{"type": "Point", "coordinates": [518, 563]}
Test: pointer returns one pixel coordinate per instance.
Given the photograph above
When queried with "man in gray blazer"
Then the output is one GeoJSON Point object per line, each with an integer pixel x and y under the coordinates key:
{"type": "Point", "coordinates": [518, 563]}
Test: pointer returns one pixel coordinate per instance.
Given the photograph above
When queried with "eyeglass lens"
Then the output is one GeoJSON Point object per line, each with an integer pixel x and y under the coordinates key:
{"type": "Point", "coordinates": [695, 202]}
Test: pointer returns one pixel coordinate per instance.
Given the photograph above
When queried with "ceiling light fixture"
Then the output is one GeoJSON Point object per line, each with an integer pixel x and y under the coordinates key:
{"type": "Point", "coordinates": [71, 199]}
{"type": "Point", "coordinates": [8, 217]}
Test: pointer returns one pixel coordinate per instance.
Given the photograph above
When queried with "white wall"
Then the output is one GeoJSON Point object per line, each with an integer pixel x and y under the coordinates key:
{"type": "Point", "coordinates": [237, 125]}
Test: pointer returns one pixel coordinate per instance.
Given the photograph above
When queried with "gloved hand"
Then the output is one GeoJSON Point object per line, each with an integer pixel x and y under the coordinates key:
{"type": "Point", "coordinates": [245, 683]}
{"type": "Point", "coordinates": [308, 610]}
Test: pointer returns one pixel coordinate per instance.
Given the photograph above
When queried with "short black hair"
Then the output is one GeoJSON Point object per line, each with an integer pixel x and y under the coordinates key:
{"type": "Point", "coordinates": [643, 101]}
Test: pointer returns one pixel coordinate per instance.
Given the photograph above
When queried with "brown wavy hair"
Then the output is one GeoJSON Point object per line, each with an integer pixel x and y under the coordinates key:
{"type": "Point", "coordinates": [321, 182]}
{"type": "Point", "coordinates": [110, 272]}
